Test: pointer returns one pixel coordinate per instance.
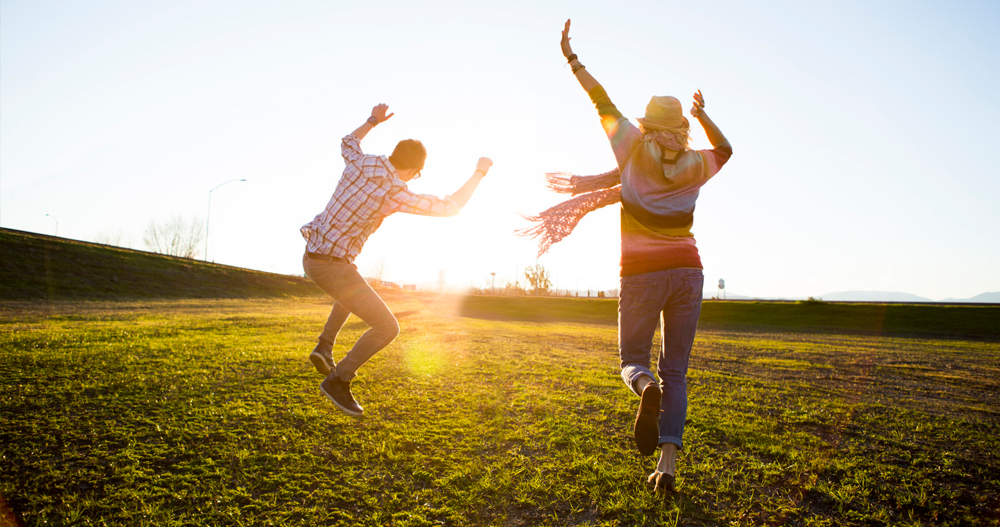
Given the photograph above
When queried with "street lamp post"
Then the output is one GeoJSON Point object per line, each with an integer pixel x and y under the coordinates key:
{"type": "Point", "coordinates": [208, 217]}
{"type": "Point", "coordinates": [57, 224]}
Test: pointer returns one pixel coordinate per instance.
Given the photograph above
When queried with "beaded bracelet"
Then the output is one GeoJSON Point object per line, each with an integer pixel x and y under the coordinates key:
{"type": "Point", "coordinates": [570, 58]}
{"type": "Point", "coordinates": [578, 67]}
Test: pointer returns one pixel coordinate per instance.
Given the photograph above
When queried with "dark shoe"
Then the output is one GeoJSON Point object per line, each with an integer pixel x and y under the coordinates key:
{"type": "Point", "coordinates": [647, 420]}
{"type": "Point", "coordinates": [322, 359]}
{"type": "Point", "coordinates": [339, 393]}
{"type": "Point", "coordinates": [661, 482]}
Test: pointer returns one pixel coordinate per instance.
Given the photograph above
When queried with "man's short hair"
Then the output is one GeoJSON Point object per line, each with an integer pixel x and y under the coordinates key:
{"type": "Point", "coordinates": [409, 153]}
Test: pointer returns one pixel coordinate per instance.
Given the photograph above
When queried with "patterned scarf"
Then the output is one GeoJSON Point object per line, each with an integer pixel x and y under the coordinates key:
{"type": "Point", "coordinates": [556, 223]}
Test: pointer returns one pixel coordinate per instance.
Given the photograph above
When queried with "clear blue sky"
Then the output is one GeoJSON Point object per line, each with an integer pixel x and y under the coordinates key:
{"type": "Point", "coordinates": [862, 131]}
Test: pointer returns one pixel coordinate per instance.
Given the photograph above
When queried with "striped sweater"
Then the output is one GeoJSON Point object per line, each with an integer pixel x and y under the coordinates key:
{"type": "Point", "coordinates": [659, 190]}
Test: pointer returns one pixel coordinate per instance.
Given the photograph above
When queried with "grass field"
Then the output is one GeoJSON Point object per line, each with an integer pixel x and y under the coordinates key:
{"type": "Point", "coordinates": [206, 412]}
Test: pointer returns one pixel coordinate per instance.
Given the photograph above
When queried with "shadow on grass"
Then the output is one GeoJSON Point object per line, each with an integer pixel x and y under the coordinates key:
{"type": "Point", "coordinates": [540, 309]}
{"type": "Point", "coordinates": [978, 323]}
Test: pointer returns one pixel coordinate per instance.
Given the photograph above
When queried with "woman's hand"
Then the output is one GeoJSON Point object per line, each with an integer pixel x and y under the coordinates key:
{"type": "Point", "coordinates": [378, 113]}
{"type": "Point", "coordinates": [698, 108]}
{"type": "Point", "coordinates": [566, 50]}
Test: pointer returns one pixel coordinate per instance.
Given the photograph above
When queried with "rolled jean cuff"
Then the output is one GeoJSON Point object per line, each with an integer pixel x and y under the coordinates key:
{"type": "Point", "coordinates": [631, 372]}
{"type": "Point", "coordinates": [673, 440]}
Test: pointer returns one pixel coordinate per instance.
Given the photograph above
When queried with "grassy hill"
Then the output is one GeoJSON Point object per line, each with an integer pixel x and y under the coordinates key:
{"type": "Point", "coordinates": [35, 266]}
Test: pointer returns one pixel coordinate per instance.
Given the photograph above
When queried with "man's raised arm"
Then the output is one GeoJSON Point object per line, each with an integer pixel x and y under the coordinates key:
{"type": "Point", "coordinates": [429, 205]}
{"type": "Point", "coordinates": [463, 194]}
{"type": "Point", "coordinates": [350, 148]}
{"type": "Point", "coordinates": [378, 116]}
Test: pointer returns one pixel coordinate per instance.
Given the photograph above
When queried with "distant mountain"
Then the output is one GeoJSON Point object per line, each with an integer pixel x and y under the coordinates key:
{"type": "Point", "coordinates": [895, 296]}
{"type": "Point", "coordinates": [874, 296]}
{"type": "Point", "coordinates": [986, 298]}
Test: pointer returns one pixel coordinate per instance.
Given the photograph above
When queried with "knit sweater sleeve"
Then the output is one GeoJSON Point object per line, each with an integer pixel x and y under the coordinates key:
{"type": "Point", "coordinates": [605, 108]}
{"type": "Point", "coordinates": [622, 134]}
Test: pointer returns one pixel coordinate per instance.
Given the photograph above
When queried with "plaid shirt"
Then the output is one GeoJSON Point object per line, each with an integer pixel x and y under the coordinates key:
{"type": "Point", "coordinates": [368, 191]}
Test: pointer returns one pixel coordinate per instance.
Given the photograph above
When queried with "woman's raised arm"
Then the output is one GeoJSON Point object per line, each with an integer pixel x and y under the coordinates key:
{"type": "Point", "coordinates": [711, 129]}
{"type": "Point", "coordinates": [586, 79]}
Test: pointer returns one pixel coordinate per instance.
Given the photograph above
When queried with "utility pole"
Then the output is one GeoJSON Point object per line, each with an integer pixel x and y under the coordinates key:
{"type": "Point", "coordinates": [57, 224]}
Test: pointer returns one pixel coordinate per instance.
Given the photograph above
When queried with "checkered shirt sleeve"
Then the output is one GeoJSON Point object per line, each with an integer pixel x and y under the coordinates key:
{"type": "Point", "coordinates": [423, 204]}
{"type": "Point", "coordinates": [350, 149]}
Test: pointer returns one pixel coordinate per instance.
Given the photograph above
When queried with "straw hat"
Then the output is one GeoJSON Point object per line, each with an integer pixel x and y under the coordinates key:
{"type": "Point", "coordinates": [664, 113]}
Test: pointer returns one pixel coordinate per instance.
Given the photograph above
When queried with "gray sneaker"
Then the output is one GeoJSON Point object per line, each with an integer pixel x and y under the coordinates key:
{"type": "Point", "coordinates": [339, 393]}
{"type": "Point", "coordinates": [322, 359]}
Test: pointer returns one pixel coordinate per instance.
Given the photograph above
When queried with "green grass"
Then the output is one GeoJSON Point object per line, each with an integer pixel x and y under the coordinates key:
{"type": "Point", "coordinates": [41, 267]}
{"type": "Point", "coordinates": [206, 412]}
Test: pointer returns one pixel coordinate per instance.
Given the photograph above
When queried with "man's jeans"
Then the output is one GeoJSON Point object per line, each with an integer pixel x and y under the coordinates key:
{"type": "Point", "coordinates": [673, 298]}
{"type": "Point", "coordinates": [352, 295]}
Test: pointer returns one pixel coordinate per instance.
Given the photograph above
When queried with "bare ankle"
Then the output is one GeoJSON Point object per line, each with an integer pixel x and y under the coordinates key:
{"type": "Point", "coordinates": [668, 457]}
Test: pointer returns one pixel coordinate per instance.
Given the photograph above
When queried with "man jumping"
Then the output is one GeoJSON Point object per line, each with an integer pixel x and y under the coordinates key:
{"type": "Point", "coordinates": [371, 188]}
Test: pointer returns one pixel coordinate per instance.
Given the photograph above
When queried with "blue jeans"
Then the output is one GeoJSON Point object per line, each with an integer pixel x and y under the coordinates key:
{"type": "Point", "coordinates": [671, 298]}
{"type": "Point", "coordinates": [352, 295]}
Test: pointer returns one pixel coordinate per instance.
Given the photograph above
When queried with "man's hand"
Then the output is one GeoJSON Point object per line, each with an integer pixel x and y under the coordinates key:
{"type": "Point", "coordinates": [484, 165]}
{"type": "Point", "coordinates": [462, 195]}
{"type": "Point", "coordinates": [378, 113]}
{"type": "Point", "coordinates": [564, 43]}
{"type": "Point", "coordinates": [698, 107]}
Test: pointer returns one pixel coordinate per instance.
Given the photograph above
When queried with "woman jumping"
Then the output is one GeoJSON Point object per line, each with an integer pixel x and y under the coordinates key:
{"type": "Point", "coordinates": [657, 182]}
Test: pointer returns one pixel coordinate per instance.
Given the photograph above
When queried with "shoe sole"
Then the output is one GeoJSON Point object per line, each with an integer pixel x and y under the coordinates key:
{"type": "Point", "coordinates": [647, 421]}
{"type": "Point", "coordinates": [320, 363]}
{"type": "Point", "coordinates": [341, 408]}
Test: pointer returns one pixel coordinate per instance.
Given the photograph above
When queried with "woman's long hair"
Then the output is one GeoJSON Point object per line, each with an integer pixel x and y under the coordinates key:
{"type": "Point", "coordinates": [591, 192]}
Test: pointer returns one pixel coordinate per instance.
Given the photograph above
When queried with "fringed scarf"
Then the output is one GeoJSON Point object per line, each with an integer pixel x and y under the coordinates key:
{"type": "Point", "coordinates": [556, 223]}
